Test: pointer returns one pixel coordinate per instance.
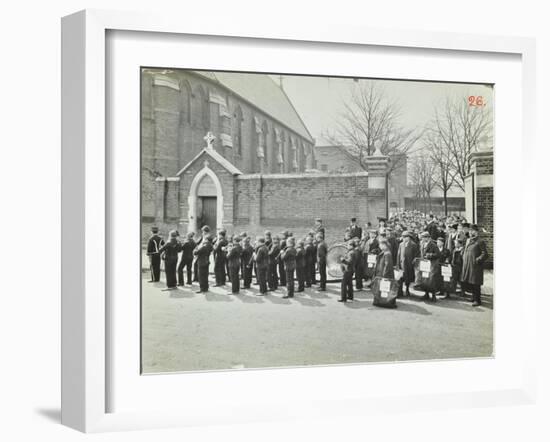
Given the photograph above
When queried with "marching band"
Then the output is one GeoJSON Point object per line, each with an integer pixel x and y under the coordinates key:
{"type": "Point", "coordinates": [435, 254]}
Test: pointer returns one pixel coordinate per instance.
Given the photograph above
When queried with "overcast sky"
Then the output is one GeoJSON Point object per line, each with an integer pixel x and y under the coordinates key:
{"type": "Point", "coordinates": [319, 100]}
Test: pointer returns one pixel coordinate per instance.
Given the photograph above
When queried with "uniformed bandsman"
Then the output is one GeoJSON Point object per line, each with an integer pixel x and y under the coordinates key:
{"type": "Point", "coordinates": [288, 255]}
{"type": "Point", "coordinates": [246, 258]}
{"type": "Point", "coordinates": [170, 251]}
{"type": "Point", "coordinates": [261, 258]}
{"type": "Point", "coordinates": [300, 266]}
{"type": "Point", "coordinates": [186, 260]}
{"type": "Point", "coordinates": [234, 252]}
{"type": "Point", "coordinates": [322, 252]}
{"type": "Point", "coordinates": [153, 245]}
{"type": "Point", "coordinates": [273, 261]}
{"type": "Point", "coordinates": [347, 263]}
{"type": "Point", "coordinates": [202, 252]}
{"type": "Point", "coordinates": [220, 258]}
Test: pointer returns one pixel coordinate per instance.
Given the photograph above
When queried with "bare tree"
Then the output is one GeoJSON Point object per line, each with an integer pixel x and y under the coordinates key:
{"type": "Point", "coordinates": [424, 178]}
{"type": "Point", "coordinates": [370, 120]}
{"type": "Point", "coordinates": [442, 158]}
{"type": "Point", "coordinates": [461, 128]}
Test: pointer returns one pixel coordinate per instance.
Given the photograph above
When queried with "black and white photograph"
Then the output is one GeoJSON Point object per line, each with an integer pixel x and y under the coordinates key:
{"type": "Point", "coordinates": [293, 220]}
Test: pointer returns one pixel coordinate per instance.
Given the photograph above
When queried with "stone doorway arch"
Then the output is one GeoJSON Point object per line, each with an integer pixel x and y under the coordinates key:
{"type": "Point", "coordinates": [194, 202]}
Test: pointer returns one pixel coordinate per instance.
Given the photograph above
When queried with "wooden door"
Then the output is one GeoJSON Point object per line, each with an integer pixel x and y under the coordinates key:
{"type": "Point", "coordinates": [209, 212]}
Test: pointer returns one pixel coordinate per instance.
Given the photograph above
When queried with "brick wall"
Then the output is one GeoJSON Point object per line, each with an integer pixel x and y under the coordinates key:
{"type": "Point", "coordinates": [482, 166]}
{"type": "Point", "coordinates": [280, 202]}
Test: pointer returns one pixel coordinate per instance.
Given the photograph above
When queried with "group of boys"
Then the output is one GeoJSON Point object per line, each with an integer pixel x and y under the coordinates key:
{"type": "Point", "coordinates": [278, 260]}
{"type": "Point", "coordinates": [275, 260]}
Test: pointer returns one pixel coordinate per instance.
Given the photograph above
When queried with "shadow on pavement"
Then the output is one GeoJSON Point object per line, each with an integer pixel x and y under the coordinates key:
{"type": "Point", "coordinates": [217, 297]}
{"type": "Point", "coordinates": [249, 299]}
{"type": "Point", "coordinates": [308, 302]}
{"type": "Point", "coordinates": [179, 293]}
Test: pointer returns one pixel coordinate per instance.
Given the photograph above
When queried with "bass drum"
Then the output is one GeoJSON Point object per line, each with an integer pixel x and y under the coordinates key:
{"type": "Point", "coordinates": [335, 253]}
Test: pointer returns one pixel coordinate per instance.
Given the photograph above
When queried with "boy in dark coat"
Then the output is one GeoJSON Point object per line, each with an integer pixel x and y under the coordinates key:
{"type": "Point", "coordinates": [475, 254]}
{"type": "Point", "coordinates": [246, 259]}
{"type": "Point", "coordinates": [429, 250]}
{"type": "Point", "coordinates": [170, 251]}
{"type": "Point", "coordinates": [322, 252]}
{"type": "Point", "coordinates": [310, 262]}
{"type": "Point", "coordinates": [300, 266]}
{"type": "Point", "coordinates": [202, 252]}
{"type": "Point", "coordinates": [384, 261]}
{"type": "Point", "coordinates": [406, 254]}
{"type": "Point", "coordinates": [219, 258]}
{"type": "Point", "coordinates": [273, 260]}
{"type": "Point", "coordinates": [186, 260]}
{"type": "Point", "coordinates": [205, 232]}
{"type": "Point", "coordinates": [288, 256]}
{"type": "Point", "coordinates": [261, 258]}
{"type": "Point", "coordinates": [281, 264]}
{"type": "Point", "coordinates": [153, 245]}
{"type": "Point", "coordinates": [348, 265]}
{"type": "Point", "coordinates": [234, 251]}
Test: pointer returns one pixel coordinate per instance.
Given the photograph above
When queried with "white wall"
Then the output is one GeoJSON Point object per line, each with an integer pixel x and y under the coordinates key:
{"type": "Point", "coordinates": [30, 220]}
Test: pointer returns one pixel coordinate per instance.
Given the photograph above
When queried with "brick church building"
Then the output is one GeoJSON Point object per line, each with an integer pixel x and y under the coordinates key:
{"type": "Point", "coordinates": [257, 168]}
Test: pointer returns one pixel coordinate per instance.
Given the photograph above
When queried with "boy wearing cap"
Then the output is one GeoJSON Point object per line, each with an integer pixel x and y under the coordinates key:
{"type": "Point", "coordinates": [408, 251]}
{"type": "Point", "coordinates": [310, 263]}
{"type": "Point", "coordinates": [153, 245]}
{"type": "Point", "coordinates": [322, 252]}
{"type": "Point", "coordinates": [205, 232]}
{"type": "Point", "coordinates": [347, 264]}
{"type": "Point", "coordinates": [300, 265]}
{"type": "Point", "coordinates": [281, 264]}
{"type": "Point", "coordinates": [186, 260]}
{"type": "Point", "coordinates": [429, 250]}
{"type": "Point", "coordinates": [220, 258]}
{"type": "Point", "coordinates": [273, 258]}
{"type": "Point", "coordinates": [261, 258]}
{"type": "Point", "coordinates": [354, 230]}
{"type": "Point", "coordinates": [234, 251]}
{"type": "Point", "coordinates": [170, 251]}
{"type": "Point", "coordinates": [288, 256]}
{"type": "Point", "coordinates": [246, 259]}
{"type": "Point", "coordinates": [202, 252]}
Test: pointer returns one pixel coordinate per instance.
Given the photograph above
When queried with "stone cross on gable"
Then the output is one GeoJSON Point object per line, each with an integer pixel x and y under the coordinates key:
{"type": "Point", "coordinates": [209, 138]}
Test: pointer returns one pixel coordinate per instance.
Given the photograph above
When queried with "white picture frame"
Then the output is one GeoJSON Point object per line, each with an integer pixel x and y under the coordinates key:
{"type": "Point", "coordinates": [86, 316]}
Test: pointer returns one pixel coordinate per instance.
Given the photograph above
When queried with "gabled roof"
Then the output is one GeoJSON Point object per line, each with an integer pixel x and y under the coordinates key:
{"type": "Point", "coordinates": [261, 91]}
{"type": "Point", "coordinates": [226, 164]}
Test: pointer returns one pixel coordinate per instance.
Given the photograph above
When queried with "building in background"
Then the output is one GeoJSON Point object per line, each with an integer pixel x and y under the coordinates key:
{"type": "Point", "coordinates": [256, 170]}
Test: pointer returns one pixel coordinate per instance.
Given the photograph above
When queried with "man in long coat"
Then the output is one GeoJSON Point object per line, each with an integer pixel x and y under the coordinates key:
{"type": "Point", "coordinates": [406, 254]}
{"type": "Point", "coordinates": [475, 254]}
{"type": "Point", "coordinates": [429, 250]}
{"type": "Point", "coordinates": [234, 252]}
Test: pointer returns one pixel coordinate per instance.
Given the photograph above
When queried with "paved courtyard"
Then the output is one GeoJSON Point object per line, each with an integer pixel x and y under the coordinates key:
{"type": "Point", "coordinates": [183, 330]}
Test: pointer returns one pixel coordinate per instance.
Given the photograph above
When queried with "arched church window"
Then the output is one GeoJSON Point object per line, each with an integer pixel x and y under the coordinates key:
{"type": "Point", "coordinates": [265, 138]}
{"type": "Point", "coordinates": [238, 131]}
{"type": "Point", "coordinates": [202, 111]}
{"type": "Point", "coordinates": [185, 102]}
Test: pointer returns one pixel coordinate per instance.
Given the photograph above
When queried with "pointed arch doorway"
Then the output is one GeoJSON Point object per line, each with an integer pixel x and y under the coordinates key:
{"type": "Point", "coordinates": [205, 201]}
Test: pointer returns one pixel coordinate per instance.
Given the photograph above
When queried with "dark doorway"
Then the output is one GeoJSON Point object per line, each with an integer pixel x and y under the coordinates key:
{"type": "Point", "coordinates": [209, 212]}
